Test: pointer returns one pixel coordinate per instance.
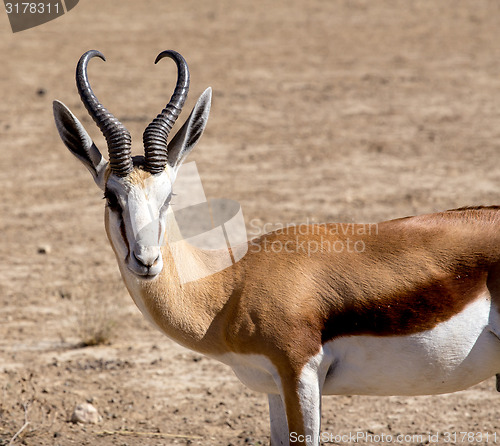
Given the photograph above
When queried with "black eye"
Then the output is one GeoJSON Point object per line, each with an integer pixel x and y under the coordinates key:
{"type": "Point", "coordinates": [112, 201]}
{"type": "Point", "coordinates": [167, 202]}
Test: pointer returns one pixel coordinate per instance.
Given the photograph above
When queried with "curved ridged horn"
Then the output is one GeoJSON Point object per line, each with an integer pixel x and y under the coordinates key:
{"type": "Point", "coordinates": [117, 136]}
{"type": "Point", "coordinates": [156, 134]}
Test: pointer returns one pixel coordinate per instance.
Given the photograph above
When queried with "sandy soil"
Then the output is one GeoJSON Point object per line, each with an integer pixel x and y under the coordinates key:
{"type": "Point", "coordinates": [323, 110]}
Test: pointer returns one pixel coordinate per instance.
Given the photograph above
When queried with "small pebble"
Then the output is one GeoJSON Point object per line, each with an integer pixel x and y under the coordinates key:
{"type": "Point", "coordinates": [44, 249]}
{"type": "Point", "coordinates": [85, 413]}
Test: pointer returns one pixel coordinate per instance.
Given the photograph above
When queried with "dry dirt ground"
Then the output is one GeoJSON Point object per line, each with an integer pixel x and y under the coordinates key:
{"type": "Point", "coordinates": [323, 111]}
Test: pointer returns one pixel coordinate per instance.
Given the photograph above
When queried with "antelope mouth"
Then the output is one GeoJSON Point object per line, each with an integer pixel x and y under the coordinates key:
{"type": "Point", "coordinates": [148, 277]}
{"type": "Point", "coordinates": [144, 275]}
{"type": "Point", "coordinates": [142, 271]}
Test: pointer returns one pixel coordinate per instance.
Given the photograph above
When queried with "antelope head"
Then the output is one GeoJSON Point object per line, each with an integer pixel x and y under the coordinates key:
{"type": "Point", "coordinates": [137, 189]}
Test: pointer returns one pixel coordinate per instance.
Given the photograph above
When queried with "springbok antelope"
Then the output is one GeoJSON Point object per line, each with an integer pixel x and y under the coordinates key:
{"type": "Point", "coordinates": [404, 307]}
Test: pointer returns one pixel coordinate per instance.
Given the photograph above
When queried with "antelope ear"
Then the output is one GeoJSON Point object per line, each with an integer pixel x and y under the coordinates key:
{"type": "Point", "coordinates": [189, 134]}
{"type": "Point", "coordinates": [79, 143]}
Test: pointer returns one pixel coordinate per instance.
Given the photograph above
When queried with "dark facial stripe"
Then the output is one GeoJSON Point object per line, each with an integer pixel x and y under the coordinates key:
{"type": "Point", "coordinates": [123, 233]}
{"type": "Point", "coordinates": [112, 201]}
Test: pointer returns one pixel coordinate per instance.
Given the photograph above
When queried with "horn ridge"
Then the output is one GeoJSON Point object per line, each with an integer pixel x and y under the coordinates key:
{"type": "Point", "coordinates": [155, 137]}
{"type": "Point", "coordinates": [117, 136]}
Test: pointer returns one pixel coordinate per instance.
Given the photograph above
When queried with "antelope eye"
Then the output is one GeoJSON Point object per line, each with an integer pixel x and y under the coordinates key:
{"type": "Point", "coordinates": [112, 201]}
{"type": "Point", "coordinates": [167, 202]}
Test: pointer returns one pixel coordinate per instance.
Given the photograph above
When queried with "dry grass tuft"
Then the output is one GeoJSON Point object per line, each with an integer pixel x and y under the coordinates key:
{"type": "Point", "coordinates": [96, 322]}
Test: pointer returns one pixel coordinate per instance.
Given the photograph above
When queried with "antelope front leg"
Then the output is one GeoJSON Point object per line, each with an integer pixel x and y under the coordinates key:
{"type": "Point", "coordinates": [279, 424]}
{"type": "Point", "coordinates": [302, 399]}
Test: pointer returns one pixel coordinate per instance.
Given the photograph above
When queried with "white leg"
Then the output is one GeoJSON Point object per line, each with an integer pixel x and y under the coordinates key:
{"type": "Point", "coordinates": [309, 391]}
{"type": "Point", "coordinates": [279, 425]}
{"type": "Point", "coordinates": [296, 412]}
{"type": "Point", "coordinates": [302, 398]}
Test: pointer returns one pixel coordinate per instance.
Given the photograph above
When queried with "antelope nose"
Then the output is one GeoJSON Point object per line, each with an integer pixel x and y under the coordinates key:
{"type": "Point", "coordinates": [146, 257]}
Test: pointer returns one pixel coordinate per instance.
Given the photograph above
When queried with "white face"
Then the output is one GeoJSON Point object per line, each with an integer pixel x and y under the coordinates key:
{"type": "Point", "coordinates": [137, 206]}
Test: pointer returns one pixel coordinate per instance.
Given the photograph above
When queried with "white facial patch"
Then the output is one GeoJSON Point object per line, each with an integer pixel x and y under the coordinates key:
{"type": "Point", "coordinates": [142, 208]}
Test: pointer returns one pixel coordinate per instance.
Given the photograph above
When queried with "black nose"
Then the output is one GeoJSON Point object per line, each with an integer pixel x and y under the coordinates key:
{"type": "Point", "coordinates": [145, 263]}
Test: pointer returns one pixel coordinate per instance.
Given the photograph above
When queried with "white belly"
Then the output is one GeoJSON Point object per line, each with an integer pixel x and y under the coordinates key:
{"type": "Point", "coordinates": [454, 355]}
{"type": "Point", "coordinates": [257, 372]}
